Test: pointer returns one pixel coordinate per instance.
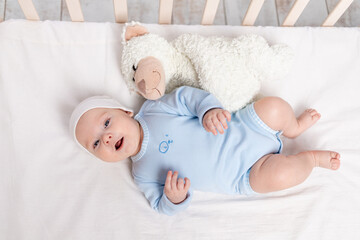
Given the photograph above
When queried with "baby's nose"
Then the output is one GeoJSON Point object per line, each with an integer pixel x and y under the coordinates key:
{"type": "Point", "coordinates": [107, 138]}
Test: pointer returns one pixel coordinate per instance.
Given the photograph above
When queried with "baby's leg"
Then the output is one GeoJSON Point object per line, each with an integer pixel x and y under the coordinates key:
{"type": "Point", "coordinates": [279, 116]}
{"type": "Point", "coordinates": [276, 172]}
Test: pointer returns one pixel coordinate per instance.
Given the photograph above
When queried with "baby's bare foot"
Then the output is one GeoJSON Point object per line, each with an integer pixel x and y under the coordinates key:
{"type": "Point", "coordinates": [326, 159]}
{"type": "Point", "coordinates": [308, 118]}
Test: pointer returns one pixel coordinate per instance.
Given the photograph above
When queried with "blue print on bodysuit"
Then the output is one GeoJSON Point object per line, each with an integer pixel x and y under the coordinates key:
{"type": "Point", "coordinates": [164, 145]}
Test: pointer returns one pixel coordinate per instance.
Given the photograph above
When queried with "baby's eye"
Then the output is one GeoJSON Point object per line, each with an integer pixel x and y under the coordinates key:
{"type": "Point", "coordinates": [107, 122]}
{"type": "Point", "coordinates": [96, 143]}
{"type": "Point", "coordinates": [134, 68]}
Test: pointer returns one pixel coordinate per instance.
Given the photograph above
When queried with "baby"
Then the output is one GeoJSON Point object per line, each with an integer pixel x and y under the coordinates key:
{"type": "Point", "coordinates": [175, 139]}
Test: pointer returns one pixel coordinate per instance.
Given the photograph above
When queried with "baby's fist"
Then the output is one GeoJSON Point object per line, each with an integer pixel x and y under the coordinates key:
{"type": "Point", "coordinates": [175, 189]}
{"type": "Point", "coordinates": [215, 119]}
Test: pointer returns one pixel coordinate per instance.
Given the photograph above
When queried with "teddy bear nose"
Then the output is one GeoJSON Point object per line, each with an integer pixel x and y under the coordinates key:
{"type": "Point", "coordinates": [149, 84]}
{"type": "Point", "coordinates": [142, 86]}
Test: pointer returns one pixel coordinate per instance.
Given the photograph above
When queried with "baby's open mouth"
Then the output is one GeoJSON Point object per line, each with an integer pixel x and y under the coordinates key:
{"type": "Point", "coordinates": [119, 144]}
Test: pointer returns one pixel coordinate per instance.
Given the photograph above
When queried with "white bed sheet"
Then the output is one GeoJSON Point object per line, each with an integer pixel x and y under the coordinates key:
{"type": "Point", "coordinates": [50, 189]}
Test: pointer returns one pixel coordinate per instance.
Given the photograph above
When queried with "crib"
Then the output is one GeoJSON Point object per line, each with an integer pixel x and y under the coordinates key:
{"type": "Point", "coordinates": [287, 11]}
{"type": "Point", "coordinates": [51, 189]}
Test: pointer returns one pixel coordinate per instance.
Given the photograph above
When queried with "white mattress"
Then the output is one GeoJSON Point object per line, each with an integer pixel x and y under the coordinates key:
{"type": "Point", "coordinates": [51, 189]}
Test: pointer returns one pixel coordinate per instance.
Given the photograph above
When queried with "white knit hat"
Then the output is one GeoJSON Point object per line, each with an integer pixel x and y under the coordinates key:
{"type": "Point", "coordinates": [88, 104]}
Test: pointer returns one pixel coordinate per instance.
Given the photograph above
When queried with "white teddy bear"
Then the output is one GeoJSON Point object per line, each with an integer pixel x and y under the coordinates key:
{"type": "Point", "coordinates": [231, 69]}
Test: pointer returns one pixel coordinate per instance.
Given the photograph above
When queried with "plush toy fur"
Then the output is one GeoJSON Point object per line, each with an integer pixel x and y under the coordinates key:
{"type": "Point", "coordinates": [231, 69]}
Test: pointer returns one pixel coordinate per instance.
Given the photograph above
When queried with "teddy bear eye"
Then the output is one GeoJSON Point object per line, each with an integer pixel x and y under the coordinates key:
{"type": "Point", "coordinates": [134, 68]}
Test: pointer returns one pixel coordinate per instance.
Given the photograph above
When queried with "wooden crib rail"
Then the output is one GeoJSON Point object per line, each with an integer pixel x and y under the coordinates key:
{"type": "Point", "coordinates": [29, 10]}
{"type": "Point", "coordinates": [295, 12]}
{"type": "Point", "coordinates": [252, 12]}
{"type": "Point", "coordinates": [210, 10]}
{"type": "Point", "coordinates": [209, 13]}
{"type": "Point", "coordinates": [165, 11]}
{"type": "Point", "coordinates": [338, 11]}
{"type": "Point", "coordinates": [120, 9]}
{"type": "Point", "coordinates": [75, 10]}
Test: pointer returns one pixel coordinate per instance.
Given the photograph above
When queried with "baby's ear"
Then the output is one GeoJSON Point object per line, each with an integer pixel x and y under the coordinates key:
{"type": "Point", "coordinates": [134, 31]}
{"type": "Point", "coordinates": [129, 113]}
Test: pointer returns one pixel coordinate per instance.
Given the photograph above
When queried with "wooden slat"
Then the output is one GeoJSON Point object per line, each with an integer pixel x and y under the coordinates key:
{"type": "Point", "coordinates": [210, 10]}
{"type": "Point", "coordinates": [2, 10]}
{"type": "Point", "coordinates": [121, 12]}
{"type": "Point", "coordinates": [295, 12]}
{"type": "Point", "coordinates": [28, 8]}
{"type": "Point", "coordinates": [93, 11]}
{"type": "Point", "coordinates": [351, 17]}
{"type": "Point", "coordinates": [235, 12]}
{"type": "Point", "coordinates": [165, 11]}
{"type": "Point", "coordinates": [313, 15]}
{"type": "Point", "coordinates": [337, 12]}
{"type": "Point", "coordinates": [46, 9]}
{"type": "Point", "coordinates": [75, 11]}
{"type": "Point", "coordinates": [190, 12]}
{"type": "Point", "coordinates": [252, 12]}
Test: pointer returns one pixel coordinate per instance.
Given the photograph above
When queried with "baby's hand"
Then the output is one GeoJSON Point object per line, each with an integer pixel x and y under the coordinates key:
{"type": "Point", "coordinates": [214, 118]}
{"type": "Point", "coordinates": [175, 189]}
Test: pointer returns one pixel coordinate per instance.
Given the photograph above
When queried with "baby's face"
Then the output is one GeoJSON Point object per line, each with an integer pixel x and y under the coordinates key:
{"type": "Point", "coordinates": [110, 134]}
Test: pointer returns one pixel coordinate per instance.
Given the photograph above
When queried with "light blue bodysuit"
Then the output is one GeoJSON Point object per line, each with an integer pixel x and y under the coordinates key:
{"type": "Point", "coordinates": [174, 139]}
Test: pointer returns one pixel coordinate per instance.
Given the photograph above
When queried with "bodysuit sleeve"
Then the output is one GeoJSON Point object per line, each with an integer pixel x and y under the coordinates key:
{"type": "Point", "coordinates": [154, 192]}
{"type": "Point", "coordinates": [189, 101]}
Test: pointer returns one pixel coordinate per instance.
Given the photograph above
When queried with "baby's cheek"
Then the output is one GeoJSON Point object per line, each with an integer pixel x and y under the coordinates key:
{"type": "Point", "coordinates": [104, 155]}
{"type": "Point", "coordinates": [129, 147]}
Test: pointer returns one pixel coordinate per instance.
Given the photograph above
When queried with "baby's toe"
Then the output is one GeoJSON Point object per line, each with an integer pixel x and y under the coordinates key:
{"type": "Point", "coordinates": [335, 160]}
{"type": "Point", "coordinates": [335, 155]}
{"type": "Point", "coordinates": [314, 114]}
{"type": "Point", "coordinates": [309, 110]}
{"type": "Point", "coordinates": [335, 164]}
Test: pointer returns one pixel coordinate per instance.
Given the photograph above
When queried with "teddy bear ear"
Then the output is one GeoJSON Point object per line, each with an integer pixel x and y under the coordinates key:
{"type": "Point", "coordinates": [134, 31]}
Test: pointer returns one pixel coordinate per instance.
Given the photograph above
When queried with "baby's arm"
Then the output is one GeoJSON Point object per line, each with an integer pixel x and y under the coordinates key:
{"type": "Point", "coordinates": [156, 193]}
{"type": "Point", "coordinates": [213, 118]}
{"type": "Point", "coordinates": [175, 189]}
{"type": "Point", "coordinates": [188, 101]}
